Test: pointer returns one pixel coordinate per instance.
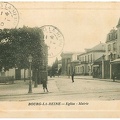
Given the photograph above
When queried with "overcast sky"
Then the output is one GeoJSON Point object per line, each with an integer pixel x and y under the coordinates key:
{"type": "Point", "coordinates": [83, 25]}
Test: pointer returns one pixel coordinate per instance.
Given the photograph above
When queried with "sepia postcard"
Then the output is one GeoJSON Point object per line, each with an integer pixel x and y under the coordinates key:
{"type": "Point", "coordinates": [59, 59]}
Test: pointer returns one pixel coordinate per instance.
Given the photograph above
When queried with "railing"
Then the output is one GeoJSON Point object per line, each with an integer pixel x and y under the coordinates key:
{"type": "Point", "coordinates": [84, 62]}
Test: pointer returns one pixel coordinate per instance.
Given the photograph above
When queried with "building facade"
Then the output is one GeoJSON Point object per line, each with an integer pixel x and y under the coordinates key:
{"type": "Point", "coordinates": [69, 60]}
{"type": "Point", "coordinates": [86, 59]}
{"type": "Point", "coordinates": [66, 59]}
{"type": "Point", "coordinates": [113, 50]}
{"type": "Point", "coordinates": [109, 64]}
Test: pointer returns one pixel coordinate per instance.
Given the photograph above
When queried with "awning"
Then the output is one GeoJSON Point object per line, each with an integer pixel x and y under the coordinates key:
{"type": "Point", "coordinates": [116, 61]}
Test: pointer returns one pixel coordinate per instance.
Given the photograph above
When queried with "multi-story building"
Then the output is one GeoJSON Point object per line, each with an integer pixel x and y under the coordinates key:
{"type": "Point", "coordinates": [112, 45]}
{"type": "Point", "coordinates": [86, 59]}
{"type": "Point", "coordinates": [113, 50]}
{"type": "Point", "coordinates": [110, 62]}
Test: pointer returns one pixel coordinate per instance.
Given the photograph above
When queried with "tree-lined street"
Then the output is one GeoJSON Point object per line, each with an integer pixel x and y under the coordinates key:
{"type": "Point", "coordinates": [63, 89]}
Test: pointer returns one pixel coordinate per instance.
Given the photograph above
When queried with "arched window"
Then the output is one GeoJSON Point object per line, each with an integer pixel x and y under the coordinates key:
{"type": "Point", "coordinates": [116, 35]}
{"type": "Point", "coordinates": [109, 47]}
{"type": "Point", "coordinates": [82, 69]}
{"type": "Point", "coordinates": [114, 46]}
{"type": "Point", "coordinates": [88, 68]}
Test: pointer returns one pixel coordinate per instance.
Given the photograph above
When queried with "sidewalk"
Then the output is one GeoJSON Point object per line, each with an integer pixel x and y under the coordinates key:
{"type": "Point", "coordinates": [90, 78]}
{"type": "Point", "coordinates": [21, 88]}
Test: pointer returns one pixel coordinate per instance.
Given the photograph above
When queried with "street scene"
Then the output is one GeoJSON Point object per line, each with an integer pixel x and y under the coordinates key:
{"type": "Point", "coordinates": [69, 56]}
{"type": "Point", "coordinates": [59, 59]}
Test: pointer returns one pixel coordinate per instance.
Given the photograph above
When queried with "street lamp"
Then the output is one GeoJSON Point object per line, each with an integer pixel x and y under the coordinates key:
{"type": "Point", "coordinates": [30, 81]}
{"type": "Point", "coordinates": [111, 55]}
{"type": "Point", "coordinates": [103, 66]}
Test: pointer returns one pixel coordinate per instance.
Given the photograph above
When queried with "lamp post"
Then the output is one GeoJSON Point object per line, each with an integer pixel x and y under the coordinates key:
{"type": "Point", "coordinates": [103, 58]}
{"type": "Point", "coordinates": [111, 65]}
{"type": "Point", "coordinates": [30, 81]}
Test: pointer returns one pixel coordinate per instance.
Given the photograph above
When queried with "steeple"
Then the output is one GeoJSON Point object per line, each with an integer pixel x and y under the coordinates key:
{"type": "Point", "coordinates": [118, 25]}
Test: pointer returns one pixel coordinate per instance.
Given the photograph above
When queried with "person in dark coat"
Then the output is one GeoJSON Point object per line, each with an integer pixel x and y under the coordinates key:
{"type": "Point", "coordinates": [44, 82]}
{"type": "Point", "coordinates": [72, 77]}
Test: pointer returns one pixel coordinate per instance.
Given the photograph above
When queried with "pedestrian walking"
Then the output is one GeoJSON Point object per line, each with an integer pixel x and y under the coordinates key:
{"type": "Point", "coordinates": [72, 77]}
{"type": "Point", "coordinates": [44, 82]}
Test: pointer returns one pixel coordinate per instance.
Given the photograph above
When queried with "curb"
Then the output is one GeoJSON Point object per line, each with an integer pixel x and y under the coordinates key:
{"type": "Point", "coordinates": [108, 80]}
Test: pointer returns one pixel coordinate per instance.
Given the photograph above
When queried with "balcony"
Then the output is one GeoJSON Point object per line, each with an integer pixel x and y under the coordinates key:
{"type": "Point", "coordinates": [84, 62]}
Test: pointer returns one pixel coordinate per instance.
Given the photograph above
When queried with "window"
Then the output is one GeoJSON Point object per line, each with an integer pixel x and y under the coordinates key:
{"type": "Point", "coordinates": [108, 57]}
{"type": "Point", "coordinates": [88, 58]}
{"type": "Point", "coordinates": [88, 68]}
{"type": "Point", "coordinates": [80, 58]}
{"type": "Point", "coordinates": [82, 69]}
{"type": "Point", "coordinates": [85, 58]}
{"type": "Point", "coordinates": [114, 46]}
{"type": "Point", "coordinates": [91, 57]}
{"type": "Point", "coordinates": [109, 47]}
{"type": "Point", "coordinates": [109, 36]}
{"type": "Point", "coordinates": [68, 60]}
{"type": "Point", "coordinates": [116, 35]}
{"type": "Point", "coordinates": [113, 36]}
{"type": "Point", "coordinates": [114, 56]}
{"type": "Point", "coordinates": [78, 70]}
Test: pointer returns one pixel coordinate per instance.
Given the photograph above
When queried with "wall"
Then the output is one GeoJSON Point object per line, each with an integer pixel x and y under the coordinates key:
{"type": "Point", "coordinates": [74, 56]}
{"type": "Point", "coordinates": [10, 72]}
{"type": "Point", "coordinates": [26, 73]}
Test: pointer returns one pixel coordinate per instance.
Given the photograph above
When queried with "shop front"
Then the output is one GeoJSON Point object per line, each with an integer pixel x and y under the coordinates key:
{"type": "Point", "coordinates": [116, 68]}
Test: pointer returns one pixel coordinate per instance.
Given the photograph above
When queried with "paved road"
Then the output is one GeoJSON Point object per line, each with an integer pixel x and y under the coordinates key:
{"type": "Point", "coordinates": [62, 89]}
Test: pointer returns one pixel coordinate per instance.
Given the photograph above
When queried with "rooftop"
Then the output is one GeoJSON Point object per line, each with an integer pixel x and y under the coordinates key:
{"type": "Point", "coordinates": [99, 47]}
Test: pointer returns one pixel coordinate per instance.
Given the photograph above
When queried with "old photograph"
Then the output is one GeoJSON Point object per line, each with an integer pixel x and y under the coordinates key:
{"type": "Point", "coordinates": [60, 59]}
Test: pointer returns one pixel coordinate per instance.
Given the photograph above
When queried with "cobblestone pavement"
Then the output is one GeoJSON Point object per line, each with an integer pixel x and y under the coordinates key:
{"type": "Point", "coordinates": [62, 88]}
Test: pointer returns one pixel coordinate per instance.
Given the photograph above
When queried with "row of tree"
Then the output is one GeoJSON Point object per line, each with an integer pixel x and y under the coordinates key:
{"type": "Point", "coordinates": [17, 44]}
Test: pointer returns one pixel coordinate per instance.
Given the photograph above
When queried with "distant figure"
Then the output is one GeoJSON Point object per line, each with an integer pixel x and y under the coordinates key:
{"type": "Point", "coordinates": [72, 77]}
{"type": "Point", "coordinates": [50, 74]}
{"type": "Point", "coordinates": [113, 77]}
{"type": "Point", "coordinates": [44, 82]}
